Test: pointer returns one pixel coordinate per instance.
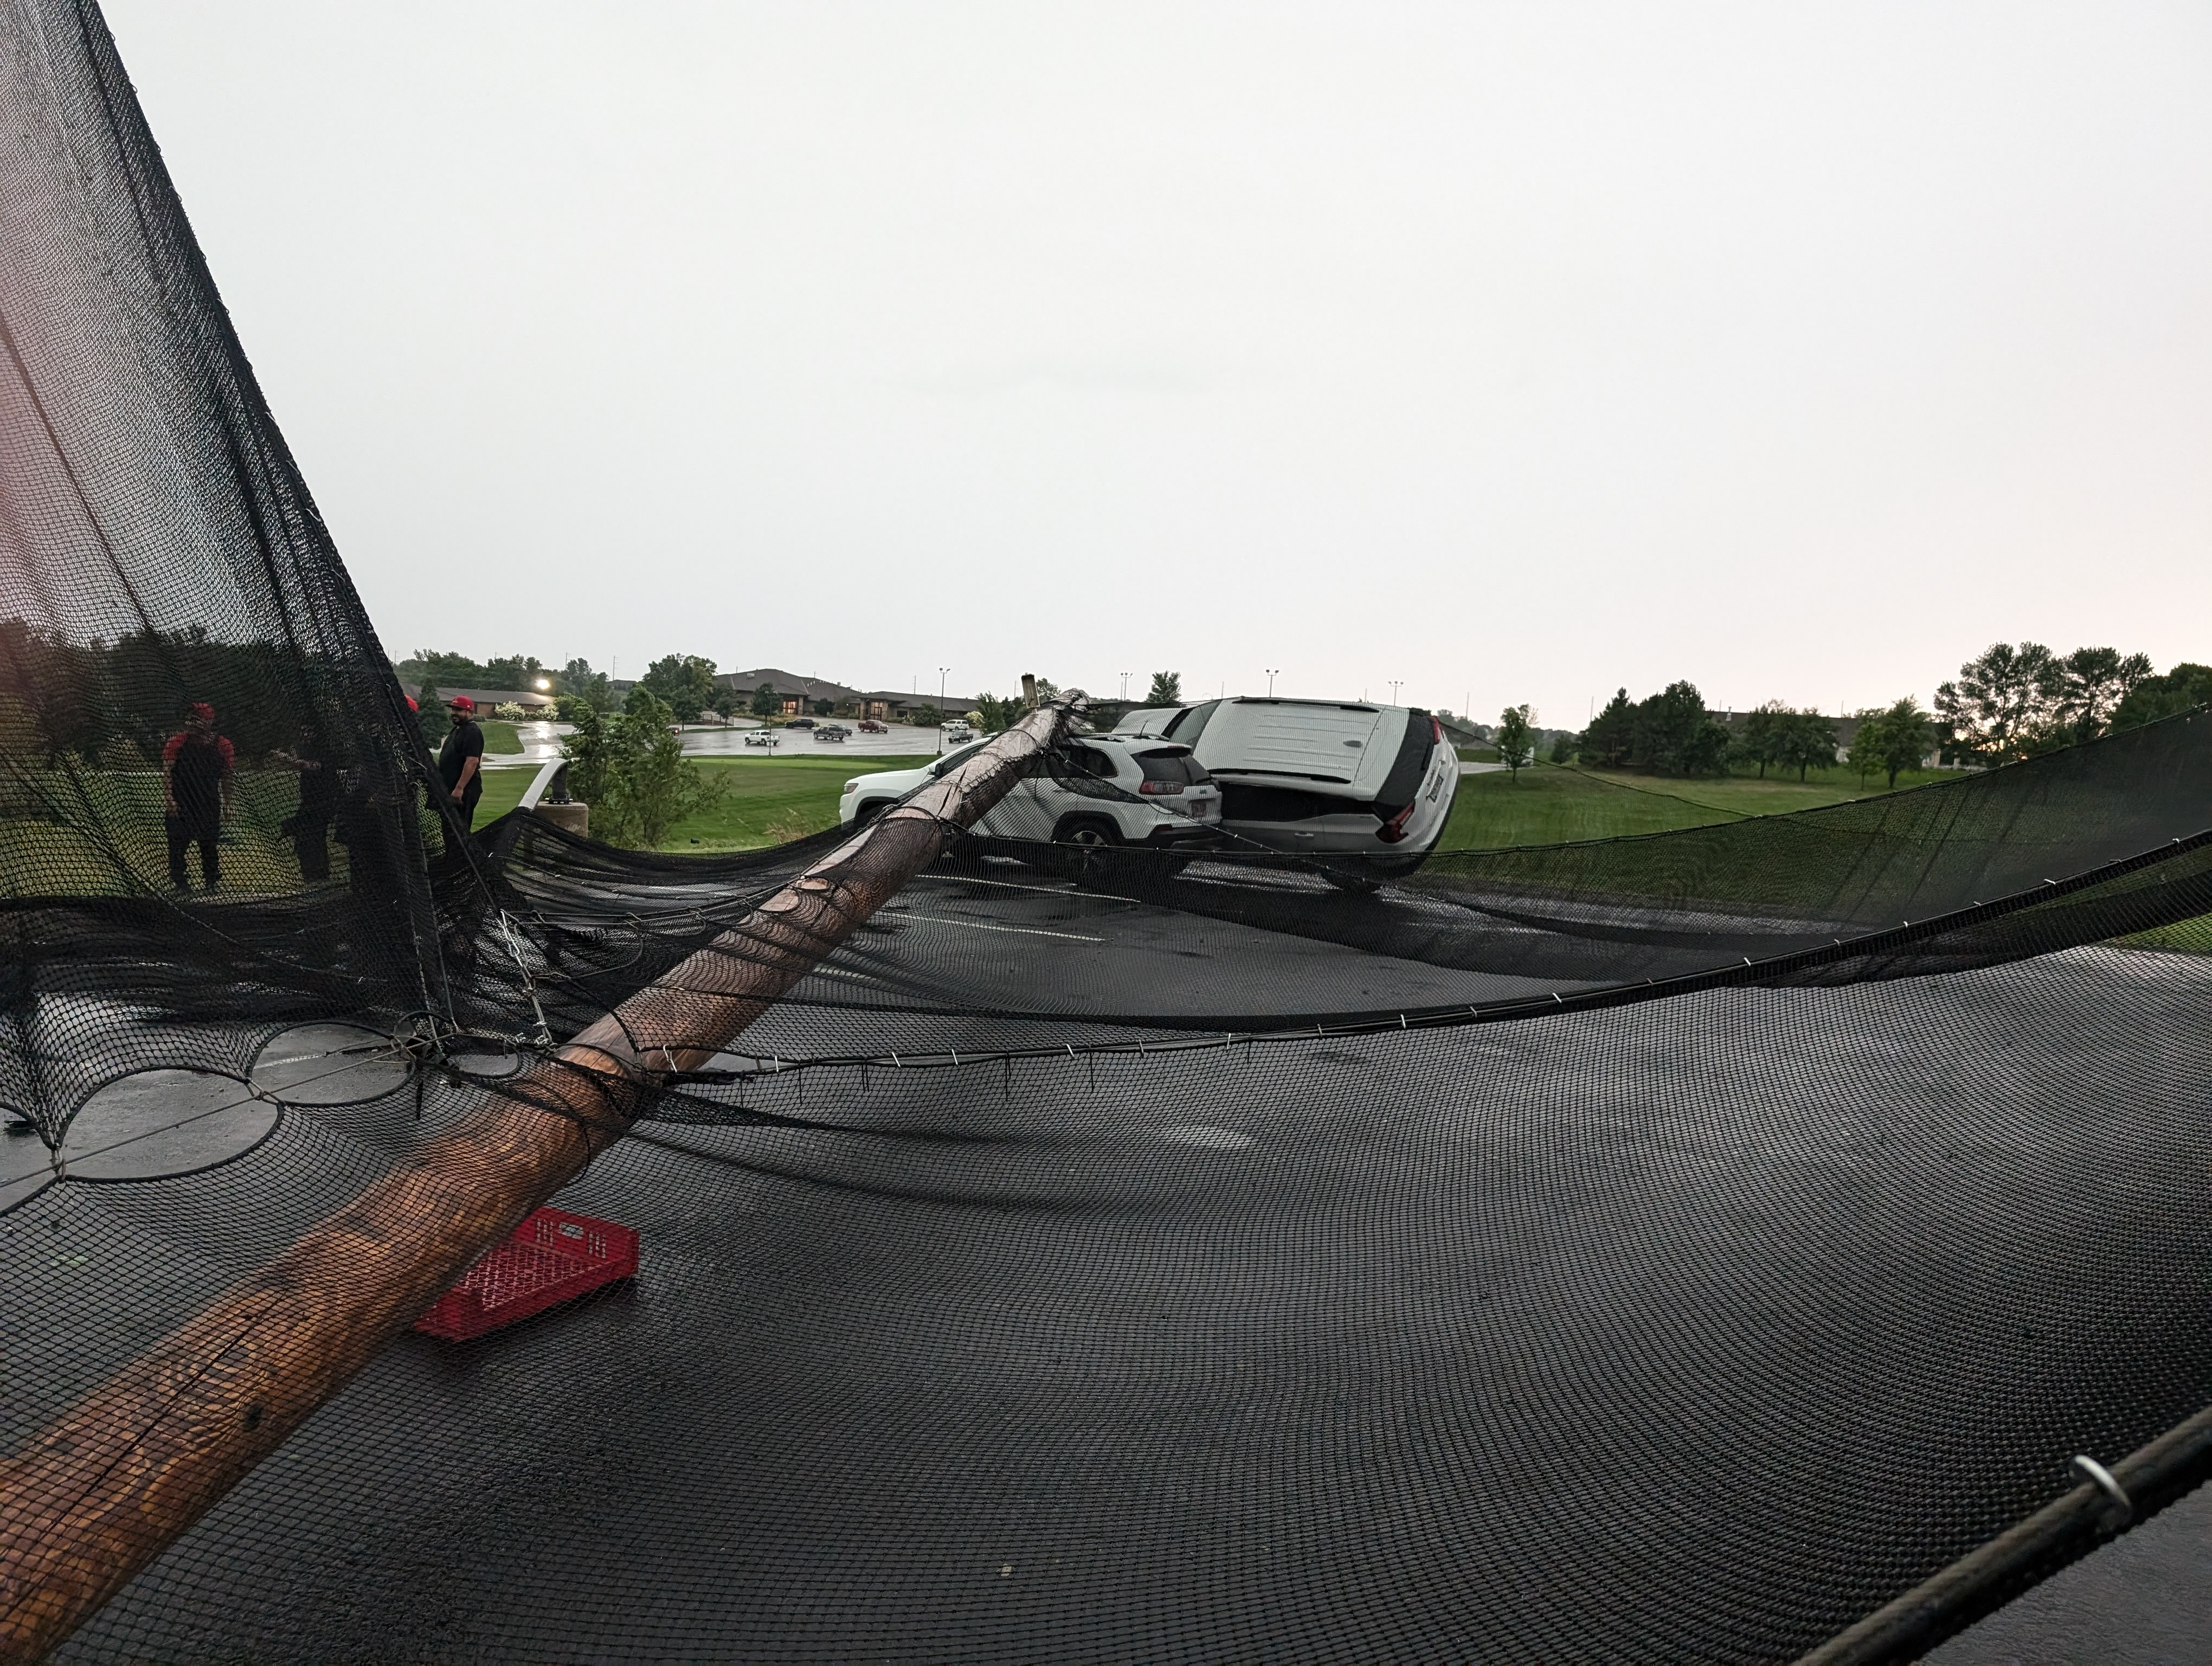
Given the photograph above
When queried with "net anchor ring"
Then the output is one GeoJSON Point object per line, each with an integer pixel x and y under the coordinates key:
{"type": "Point", "coordinates": [2123, 1508]}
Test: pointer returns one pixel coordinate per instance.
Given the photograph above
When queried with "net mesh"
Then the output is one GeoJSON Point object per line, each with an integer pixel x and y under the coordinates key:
{"type": "Point", "coordinates": [1670, 1248]}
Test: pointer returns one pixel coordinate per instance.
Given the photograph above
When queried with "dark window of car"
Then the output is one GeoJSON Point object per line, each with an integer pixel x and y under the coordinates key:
{"type": "Point", "coordinates": [954, 760]}
{"type": "Point", "coordinates": [1173, 766]}
{"type": "Point", "coordinates": [1190, 722]}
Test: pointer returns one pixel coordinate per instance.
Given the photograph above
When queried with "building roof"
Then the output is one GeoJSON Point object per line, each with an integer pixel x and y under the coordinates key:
{"type": "Point", "coordinates": [785, 682]}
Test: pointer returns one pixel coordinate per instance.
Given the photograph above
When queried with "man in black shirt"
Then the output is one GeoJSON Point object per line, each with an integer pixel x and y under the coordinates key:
{"type": "Point", "coordinates": [196, 786]}
{"type": "Point", "coordinates": [460, 760]}
{"type": "Point", "coordinates": [309, 826]}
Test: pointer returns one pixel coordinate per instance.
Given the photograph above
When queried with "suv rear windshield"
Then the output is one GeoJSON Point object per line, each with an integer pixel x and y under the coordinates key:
{"type": "Point", "coordinates": [1190, 722]}
{"type": "Point", "coordinates": [1173, 763]}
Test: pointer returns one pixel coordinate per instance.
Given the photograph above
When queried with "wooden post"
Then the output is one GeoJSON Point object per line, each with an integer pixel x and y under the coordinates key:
{"type": "Point", "coordinates": [107, 1487]}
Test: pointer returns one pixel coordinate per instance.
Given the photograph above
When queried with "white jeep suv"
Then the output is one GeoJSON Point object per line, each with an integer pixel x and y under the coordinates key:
{"type": "Point", "coordinates": [1153, 796]}
{"type": "Point", "coordinates": [1365, 789]}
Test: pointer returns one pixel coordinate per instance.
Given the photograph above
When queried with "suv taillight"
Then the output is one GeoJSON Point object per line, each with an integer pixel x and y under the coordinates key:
{"type": "Point", "coordinates": [1160, 789]}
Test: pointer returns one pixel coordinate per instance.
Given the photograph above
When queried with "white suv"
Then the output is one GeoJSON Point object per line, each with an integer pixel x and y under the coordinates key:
{"type": "Point", "coordinates": [1155, 796]}
{"type": "Point", "coordinates": [1366, 789]}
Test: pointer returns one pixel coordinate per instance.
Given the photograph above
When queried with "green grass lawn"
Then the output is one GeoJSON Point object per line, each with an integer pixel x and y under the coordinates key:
{"type": "Point", "coordinates": [498, 737]}
{"type": "Point", "coordinates": [767, 801]}
{"type": "Point", "coordinates": [503, 790]}
{"type": "Point", "coordinates": [1550, 804]}
{"type": "Point", "coordinates": [763, 801]}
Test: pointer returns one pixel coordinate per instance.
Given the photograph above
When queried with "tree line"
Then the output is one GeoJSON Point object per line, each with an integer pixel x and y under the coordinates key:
{"type": "Point", "coordinates": [2007, 703]}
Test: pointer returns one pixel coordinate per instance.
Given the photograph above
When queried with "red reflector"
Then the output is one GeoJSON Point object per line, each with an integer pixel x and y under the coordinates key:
{"type": "Point", "coordinates": [1159, 790]}
{"type": "Point", "coordinates": [1395, 830]}
{"type": "Point", "coordinates": [553, 1257]}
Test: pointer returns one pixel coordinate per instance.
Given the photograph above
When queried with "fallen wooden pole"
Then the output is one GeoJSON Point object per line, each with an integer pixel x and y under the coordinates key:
{"type": "Point", "coordinates": [103, 1491]}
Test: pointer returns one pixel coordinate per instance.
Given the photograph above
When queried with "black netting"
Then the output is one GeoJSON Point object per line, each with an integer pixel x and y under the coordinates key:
{"type": "Point", "coordinates": [1668, 1249]}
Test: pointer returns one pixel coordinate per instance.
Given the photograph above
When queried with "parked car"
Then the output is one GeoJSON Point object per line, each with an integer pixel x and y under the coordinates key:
{"type": "Point", "coordinates": [832, 732]}
{"type": "Point", "coordinates": [1364, 789]}
{"type": "Point", "coordinates": [800, 723]}
{"type": "Point", "coordinates": [1165, 801]}
{"type": "Point", "coordinates": [762, 738]}
{"type": "Point", "coordinates": [869, 726]}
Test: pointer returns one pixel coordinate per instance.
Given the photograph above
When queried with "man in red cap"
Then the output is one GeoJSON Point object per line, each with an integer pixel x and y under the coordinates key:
{"type": "Point", "coordinates": [460, 760]}
{"type": "Point", "coordinates": [196, 783]}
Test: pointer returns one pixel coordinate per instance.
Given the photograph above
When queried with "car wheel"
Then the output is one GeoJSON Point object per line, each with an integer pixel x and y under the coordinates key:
{"type": "Point", "coordinates": [1087, 843]}
{"type": "Point", "coordinates": [868, 813]}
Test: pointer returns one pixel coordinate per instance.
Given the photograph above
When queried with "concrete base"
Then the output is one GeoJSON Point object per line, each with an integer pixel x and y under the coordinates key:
{"type": "Point", "coordinates": [569, 817]}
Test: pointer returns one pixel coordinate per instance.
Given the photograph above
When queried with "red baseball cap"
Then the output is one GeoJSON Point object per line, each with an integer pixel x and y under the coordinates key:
{"type": "Point", "coordinates": [411, 706]}
{"type": "Point", "coordinates": [201, 710]}
{"type": "Point", "coordinates": [461, 702]}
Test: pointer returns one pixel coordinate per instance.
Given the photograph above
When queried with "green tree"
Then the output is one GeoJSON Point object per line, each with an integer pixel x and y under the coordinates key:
{"type": "Point", "coordinates": [1516, 741]}
{"type": "Point", "coordinates": [1562, 747]}
{"type": "Point", "coordinates": [577, 680]}
{"type": "Point", "coordinates": [514, 671]}
{"type": "Point", "coordinates": [431, 714]}
{"type": "Point", "coordinates": [1892, 740]}
{"type": "Point", "coordinates": [1760, 740]}
{"type": "Point", "coordinates": [1606, 742]}
{"type": "Point", "coordinates": [994, 714]}
{"type": "Point", "coordinates": [823, 707]}
{"type": "Point", "coordinates": [2002, 704]}
{"type": "Point", "coordinates": [1808, 740]}
{"type": "Point", "coordinates": [1166, 689]}
{"type": "Point", "coordinates": [2186, 686]}
{"type": "Point", "coordinates": [924, 717]}
{"type": "Point", "coordinates": [684, 682]}
{"type": "Point", "coordinates": [764, 702]}
{"type": "Point", "coordinates": [630, 767]}
{"type": "Point", "coordinates": [454, 670]}
{"type": "Point", "coordinates": [2093, 682]}
{"type": "Point", "coordinates": [1672, 732]}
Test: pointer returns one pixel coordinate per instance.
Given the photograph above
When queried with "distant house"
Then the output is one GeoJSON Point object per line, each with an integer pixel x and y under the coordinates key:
{"type": "Point", "coordinates": [539, 705]}
{"type": "Point", "coordinates": [796, 695]}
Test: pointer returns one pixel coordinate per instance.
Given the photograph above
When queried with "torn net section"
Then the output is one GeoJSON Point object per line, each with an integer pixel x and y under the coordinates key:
{"type": "Point", "coordinates": [1666, 1248]}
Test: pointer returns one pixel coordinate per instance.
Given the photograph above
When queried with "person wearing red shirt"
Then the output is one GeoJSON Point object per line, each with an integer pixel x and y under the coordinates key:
{"type": "Point", "coordinates": [196, 786]}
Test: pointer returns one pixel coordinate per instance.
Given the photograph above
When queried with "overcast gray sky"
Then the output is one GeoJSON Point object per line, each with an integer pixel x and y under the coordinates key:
{"type": "Point", "coordinates": [1516, 351]}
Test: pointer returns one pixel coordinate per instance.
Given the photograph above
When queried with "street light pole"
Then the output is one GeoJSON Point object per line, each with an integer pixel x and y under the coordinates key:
{"type": "Point", "coordinates": [1125, 687]}
{"type": "Point", "coordinates": [1396, 682]}
{"type": "Point", "coordinates": [1271, 676]}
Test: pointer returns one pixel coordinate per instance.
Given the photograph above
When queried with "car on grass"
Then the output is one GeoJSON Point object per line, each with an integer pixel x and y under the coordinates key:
{"type": "Point", "coordinates": [1149, 795]}
{"type": "Point", "coordinates": [1362, 790]}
